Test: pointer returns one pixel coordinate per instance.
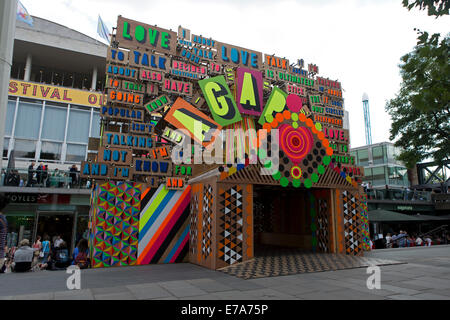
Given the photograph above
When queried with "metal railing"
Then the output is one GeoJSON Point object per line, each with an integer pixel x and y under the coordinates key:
{"type": "Point", "coordinates": [37, 178]}
{"type": "Point", "coordinates": [398, 195]}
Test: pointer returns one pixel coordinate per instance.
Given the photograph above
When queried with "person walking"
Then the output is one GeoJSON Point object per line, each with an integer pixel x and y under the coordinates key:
{"type": "Point", "coordinates": [45, 249]}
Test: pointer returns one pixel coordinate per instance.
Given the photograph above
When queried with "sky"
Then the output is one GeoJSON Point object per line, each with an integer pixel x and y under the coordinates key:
{"type": "Point", "coordinates": [358, 42]}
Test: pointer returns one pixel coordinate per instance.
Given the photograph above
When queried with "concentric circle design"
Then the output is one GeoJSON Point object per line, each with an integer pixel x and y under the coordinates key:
{"type": "Point", "coordinates": [296, 143]}
{"type": "Point", "coordinates": [296, 172]}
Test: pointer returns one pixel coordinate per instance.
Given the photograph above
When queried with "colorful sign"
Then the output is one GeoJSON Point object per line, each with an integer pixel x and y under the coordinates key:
{"type": "Point", "coordinates": [152, 167]}
{"type": "Point", "coordinates": [328, 120]}
{"type": "Point", "coordinates": [103, 171]}
{"type": "Point", "coordinates": [250, 89]}
{"type": "Point", "coordinates": [186, 70]}
{"type": "Point", "coordinates": [277, 63]}
{"type": "Point", "coordinates": [142, 59]}
{"type": "Point", "coordinates": [133, 34]}
{"type": "Point", "coordinates": [220, 100]}
{"type": "Point", "coordinates": [175, 183]}
{"type": "Point", "coordinates": [157, 104]}
{"type": "Point", "coordinates": [282, 76]}
{"type": "Point", "coordinates": [232, 55]}
{"type": "Point", "coordinates": [183, 115]}
{"type": "Point", "coordinates": [338, 135]}
{"type": "Point", "coordinates": [275, 104]}
{"type": "Point", "coordinates": [178, 87]}
{"type": "Point", "coordinates": [128, 98]}
{"type": "Point", "coordinates": [117, 56]}
{"type": "Point", "coordinates": [121, 72]}
{"type": "Point", "coordinates": [205, 42]}
{"type": "Point", "coordinates": [53, 93]}
{"type": "Point", "coordinates": [142, 128]}
{"type": "Point", "coordinates": [116, 156]}
{"type": "Point", "coordinates": [123, 113]}
{"type": "Point", "coordinates": [121, 140]}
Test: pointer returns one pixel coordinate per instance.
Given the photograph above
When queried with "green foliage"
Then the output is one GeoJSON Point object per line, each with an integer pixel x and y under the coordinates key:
{"type": "Point", "coordinates": [420, 111]}
{"type": "Point", "coordinates": [435, 8]}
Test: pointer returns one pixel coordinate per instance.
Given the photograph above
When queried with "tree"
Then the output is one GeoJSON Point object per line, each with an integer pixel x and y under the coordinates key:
{"type": "Point", "coordinates": [435, 7]}
{"type": "Point", "coordinates": [420, 112]}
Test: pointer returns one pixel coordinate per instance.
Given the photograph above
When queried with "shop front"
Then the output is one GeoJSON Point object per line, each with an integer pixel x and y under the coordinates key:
{"type": "Point", "coordinates": [33, 215]}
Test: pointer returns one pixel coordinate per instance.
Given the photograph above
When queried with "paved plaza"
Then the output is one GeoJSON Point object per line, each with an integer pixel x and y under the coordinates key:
{"type": "Point", "coordinates": [424, 275]}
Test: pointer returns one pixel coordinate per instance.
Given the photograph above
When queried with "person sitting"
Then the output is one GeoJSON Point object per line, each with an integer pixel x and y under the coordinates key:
{"type": "Point", "coordinates": [23, 257]}
{"type": "Point", "coordinates": [59, 258]}
{"type": "Point", "coordinates": [81, 255]}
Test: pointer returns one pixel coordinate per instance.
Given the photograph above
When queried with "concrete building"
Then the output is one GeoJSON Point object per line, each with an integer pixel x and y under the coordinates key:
{"type": "Point", "coordinates": [55, 93]}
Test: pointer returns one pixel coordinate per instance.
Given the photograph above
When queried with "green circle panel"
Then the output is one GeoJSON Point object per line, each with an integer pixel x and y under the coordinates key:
{"type": "Point", "coordinates": [327, 160]}
{"type": "Point", "coordinates": [284, 182]}
{"type": "Point", "coordinates": [294, 117]}
{"type": "Point", "coordinates": [296, 183]}
{"type": "Point", "coordinates": [315, 177]}
{"type": "Point", "coordinates": [321, 169]}
{"type": "Point", "coordinates": [308, 184]}
{"type": "Point", "coordinates": [277, 176]}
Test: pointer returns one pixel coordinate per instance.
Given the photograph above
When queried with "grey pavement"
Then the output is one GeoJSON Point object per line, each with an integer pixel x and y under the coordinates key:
{"type": "Point", "coordinates": [424, 276]}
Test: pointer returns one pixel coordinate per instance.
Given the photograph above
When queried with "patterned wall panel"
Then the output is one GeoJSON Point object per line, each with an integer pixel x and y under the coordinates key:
{"type": "Point", "coordinates": [353, 239]}
{"type": "Point", "coordinates": [202, 224]}
{"type": "Point", "coordinates": [365, 222]}
{"type": "Point", "coordinates": [164, 227]}
{"type": "Point", "coordinates": [114, 224]}
{"type": "Point", "coordinates": [234, 224]}
{"type": "Point", "coordinates": [324, 221]}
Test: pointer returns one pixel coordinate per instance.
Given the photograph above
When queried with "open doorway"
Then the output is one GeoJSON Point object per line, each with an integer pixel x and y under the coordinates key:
{"type": "Point", "coordinates": [282, 219]}
{"type": "Point", "coordinates": [56, 223]}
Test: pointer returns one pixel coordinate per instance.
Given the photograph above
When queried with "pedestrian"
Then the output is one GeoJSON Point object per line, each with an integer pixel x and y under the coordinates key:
{"type": "Point", "coordinates": [402, 239]}
{"type": "Point", "coordinates": [30, 174]}
{"type": "Point", "coordinates": [58, 241]}
{"type": "Point", "coordinates": [3, 229]}
{"type": "Point", "coordinates": [74, 175]}
{"type": "Point", "coordinates": [2, 183]}
{"type": "Point", "coordinates": [81, 255]}
{"type": "Point", "coordinates": [23, 257]}
{"type": "Point", "coordinates": [40, 173]}
{"type": "Point", "coordinates": [37, 245]}
{"type": "Point", "coordinates": [428, 241]}
{"type": "Point", "coordinates": [45, 179]}
{"type": "Point", "coordinates": [419, 241]}
{"type": "Point", "coordinates": [388, 241]}
{"type": "Point", "coordinates": [46, 245]}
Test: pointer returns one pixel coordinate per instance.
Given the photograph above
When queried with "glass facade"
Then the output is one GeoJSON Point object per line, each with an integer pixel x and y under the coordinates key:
{"type": "Point", "coordinates": [381, 166]}
{"type": "Point", "coordinates": [48, 131]}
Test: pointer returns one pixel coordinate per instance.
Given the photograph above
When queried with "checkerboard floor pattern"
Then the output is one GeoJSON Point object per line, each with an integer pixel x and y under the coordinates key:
{"type": "Point", "coordinates": [273, 262]}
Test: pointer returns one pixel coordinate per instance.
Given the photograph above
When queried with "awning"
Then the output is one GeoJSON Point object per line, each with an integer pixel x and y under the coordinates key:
{"type": "Point", "coordinates": [391, 216]}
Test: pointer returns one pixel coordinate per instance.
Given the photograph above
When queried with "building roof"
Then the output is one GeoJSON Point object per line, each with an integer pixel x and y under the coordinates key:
{"type": "Point", "coordinates": [52, 35]}
{"type": "Point", "coordinates": [50, 27]}
{"type": "Point", "coordinates": [391, 216]}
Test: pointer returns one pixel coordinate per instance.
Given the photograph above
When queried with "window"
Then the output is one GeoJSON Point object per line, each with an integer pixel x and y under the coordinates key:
{"type": "Point", "coordinates": [75, 153]}
{"type": "Point", "coordinates": [363, 157]}
{"type": "Point", "coordinates": [28, 120]}
{"type": "Point", "coordinates": [54, 126]}
{"type": "Point", "coordinates": [50, 151]}
{"type": "Point", "coordinates": [379, 155]}
{"type": "Point", "coordinates": [10, 117]}
{"type": "Point", "coordinates": [95, 131]}
{"type": "Point", "coordinates": [379, 176]}
{"type": "Point", "coordinates": [25, 149]}
{"type": "Point", "coordinates": [78, 130]}
{"type": "Point", "coordinates": [5, 147]}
